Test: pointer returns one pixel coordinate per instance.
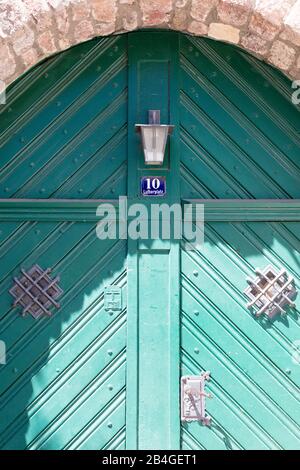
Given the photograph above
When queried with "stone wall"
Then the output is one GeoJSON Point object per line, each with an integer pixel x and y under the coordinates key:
{"type": "Point", "coordinates": [31, 30]}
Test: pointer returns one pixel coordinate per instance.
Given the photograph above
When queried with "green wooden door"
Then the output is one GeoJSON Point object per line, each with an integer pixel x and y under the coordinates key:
{"type": "Point", "coordinates": [63, 149]}
{"type": "Point", "coordinates": [240, 158]}
{"type": "Point", "coordinates": [92, 377]}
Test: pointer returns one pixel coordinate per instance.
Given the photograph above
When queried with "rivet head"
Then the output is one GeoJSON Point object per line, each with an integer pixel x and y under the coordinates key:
{"type": "Point", "coordinates": [110, 353]}
{"type": "Point", "coordinates": [109, 425]}
{"type": "Point", "coordinates": [110, 387]}
{"type": "Point", "coordinates": [288, 371]}
{"type": "Point", "coordinates": [196, 350]}
{"type": "Point", "coordinates": [195, 273]}
{"type": "Point", "coordinates": [196, 312]}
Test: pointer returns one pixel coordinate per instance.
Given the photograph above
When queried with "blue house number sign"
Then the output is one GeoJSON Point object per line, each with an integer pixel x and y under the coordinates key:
{"type": "Point", "coordinates": [153, 185]}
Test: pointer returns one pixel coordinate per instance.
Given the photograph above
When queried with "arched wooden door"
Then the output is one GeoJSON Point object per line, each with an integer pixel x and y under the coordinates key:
{"type": "Point", "coordinates": [103, 371]}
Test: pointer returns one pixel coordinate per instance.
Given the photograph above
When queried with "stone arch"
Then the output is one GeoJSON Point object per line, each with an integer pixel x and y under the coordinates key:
{"type": "Point", "coordinates": [31, 30]}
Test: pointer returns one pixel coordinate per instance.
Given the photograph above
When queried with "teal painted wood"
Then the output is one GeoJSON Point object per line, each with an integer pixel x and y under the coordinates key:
{"type": "Point", "coordinates": [239, 143]}
{"type": "Point", "coordinates": [56, 385]}
{"type": "Point", "coordinates": [153, 265]}
{"type": "Point", "coordinates": [64, 135]}
{"type": "Point", "coordinates": [239, 129]}
{"type": "Point", "coordinates": [85, 379]}
{"type": "Point", "coordinates": [85, 210]}
{"type": "Point", "coordinates": [255, 381]}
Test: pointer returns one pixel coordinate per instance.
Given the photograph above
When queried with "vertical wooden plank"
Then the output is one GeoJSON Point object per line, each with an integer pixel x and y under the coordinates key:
{"type": "Point", "coordinates": [153, 266]}
{"type": "Point", "coordinates": [155, 388]}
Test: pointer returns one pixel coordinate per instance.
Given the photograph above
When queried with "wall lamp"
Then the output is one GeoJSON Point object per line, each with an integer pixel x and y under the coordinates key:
{"type": "Point", "coordinates": [154, 138]}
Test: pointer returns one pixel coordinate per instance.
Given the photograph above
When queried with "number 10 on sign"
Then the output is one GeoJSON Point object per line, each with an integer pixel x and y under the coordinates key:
{"type": "Point", "coordinates": [153, 185]}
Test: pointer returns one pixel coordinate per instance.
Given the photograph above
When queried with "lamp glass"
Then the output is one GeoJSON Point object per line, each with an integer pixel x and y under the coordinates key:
{"type": "Point", "coordinates": [154, 139]}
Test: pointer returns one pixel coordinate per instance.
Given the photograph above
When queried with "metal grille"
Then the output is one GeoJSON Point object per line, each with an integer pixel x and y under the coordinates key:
{"type": "Point", "coordinates": [36, 292]}
{"type": "Point", "coordinates": [271, 292]}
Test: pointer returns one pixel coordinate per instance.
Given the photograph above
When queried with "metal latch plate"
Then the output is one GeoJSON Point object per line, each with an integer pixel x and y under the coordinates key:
{"type": "Point", "coordinates": [113, 298]}
{"type": "Point", "coordinates": [193, 398]}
